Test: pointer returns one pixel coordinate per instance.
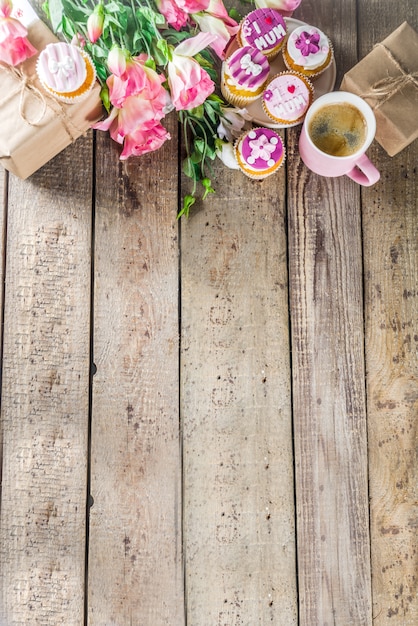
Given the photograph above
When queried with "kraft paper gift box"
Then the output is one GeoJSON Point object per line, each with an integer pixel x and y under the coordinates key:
{"type": "Point", "coordinates": [387, 78]}
{"type": "Point", "coordinates": [34, 126]}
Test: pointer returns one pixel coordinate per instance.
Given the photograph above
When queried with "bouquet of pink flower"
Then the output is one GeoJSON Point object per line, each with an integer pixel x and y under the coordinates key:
{"type": "Point", "coordinates": [14, 45]}
{"type": "Point", "coordinates": [153, 56]}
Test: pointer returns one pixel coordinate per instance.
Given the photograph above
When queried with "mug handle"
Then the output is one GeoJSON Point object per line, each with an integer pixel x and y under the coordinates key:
{"type": "Point", "coordinates": [364, 172]}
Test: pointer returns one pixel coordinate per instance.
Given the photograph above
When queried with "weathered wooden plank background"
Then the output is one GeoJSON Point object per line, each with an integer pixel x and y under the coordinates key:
{"type": "Point", "coordinates": [211, 422]}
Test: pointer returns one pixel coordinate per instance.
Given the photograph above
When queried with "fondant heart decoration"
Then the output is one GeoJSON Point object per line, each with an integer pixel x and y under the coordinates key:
{"type": "Point", "coordinates": [269, 19]}
{"type": "Point", "coordinates": [291, 88]}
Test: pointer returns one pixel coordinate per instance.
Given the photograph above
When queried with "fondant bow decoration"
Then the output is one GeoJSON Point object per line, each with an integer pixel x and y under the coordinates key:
{"type": "Point", "coordinates": [66, 66]}
{"type": "Point", "coordinates": [249, 66]}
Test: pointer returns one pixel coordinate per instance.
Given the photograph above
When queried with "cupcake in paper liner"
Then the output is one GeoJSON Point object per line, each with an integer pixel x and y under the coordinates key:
{"type": "Point", "coordinates": [287, 97]}
{"type": "Point", "coordinates": [66, 72]}
{"type": "Point", "coordinates": [264, 29]}
{"type": "Point", "coordinates": [243, 76]}
{"type": "Point", "coordinates": [308, 50]}
{"type": "Point", "coordinates": [259, 152]}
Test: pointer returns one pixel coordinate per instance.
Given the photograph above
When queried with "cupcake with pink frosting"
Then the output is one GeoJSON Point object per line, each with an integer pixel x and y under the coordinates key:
{"type": "Point", "coordinates": [259, 152]}
{"type": "Point", "coordinates": [264, 29]}
{"type": "Point", "coordinates": [243, 76]}
{"type": "Point", "coordinates": [66, 72]}
{"type": "Point", "coordinates": [287, 97]}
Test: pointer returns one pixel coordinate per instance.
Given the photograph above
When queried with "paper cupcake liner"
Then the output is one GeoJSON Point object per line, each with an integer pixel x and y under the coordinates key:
{"type": "Point", "coordinates": [236, 100]}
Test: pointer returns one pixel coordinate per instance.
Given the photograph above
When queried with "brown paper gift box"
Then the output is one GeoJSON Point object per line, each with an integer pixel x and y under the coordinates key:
{"type": "Point", "coordinates": [34, 127]}
{"type": "Point", "coordinates": [387, 78]}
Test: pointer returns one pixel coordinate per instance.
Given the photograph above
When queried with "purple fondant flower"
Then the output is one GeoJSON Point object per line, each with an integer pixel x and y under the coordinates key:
{"type": "Point", "coordinates": [307, 43]}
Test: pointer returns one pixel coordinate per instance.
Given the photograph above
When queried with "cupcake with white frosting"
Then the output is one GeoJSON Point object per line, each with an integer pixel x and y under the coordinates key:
{"type": "Point", "coordinates": [66, 72]}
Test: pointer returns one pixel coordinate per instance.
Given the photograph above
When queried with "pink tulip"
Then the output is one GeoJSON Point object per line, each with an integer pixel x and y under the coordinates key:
{"type": "Point", "coordinates": [189, 83]}
{"type": "Point", "coordinates": [95, 23]}
{"type": "Point", "coordinates": [144, 140]}
{"type": "Point", "coordinates": [14, 47]}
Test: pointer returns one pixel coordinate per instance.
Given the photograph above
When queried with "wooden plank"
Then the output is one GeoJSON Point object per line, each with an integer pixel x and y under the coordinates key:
{"type": "Point", "coordinates": [236, 408]}
{"type": "Point", "coordinates": [45, 393]}
{"type": "Point", "coordinates": [391, 301]}
{"type": "Point", "coordinates": [135, 569]}
{"type": "Point", "coordinates": [329, 402]}
{"type": "Point", "coordinates": [325, 268]}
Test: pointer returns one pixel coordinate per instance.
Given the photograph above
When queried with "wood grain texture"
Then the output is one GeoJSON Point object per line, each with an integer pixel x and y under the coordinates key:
{"type": "Point", "coordinates": [239, 531]}
{"type": "Point", "coordinates": [135, 569]}
{"type": "Point", "coordinates": [45, 393]}
{"type": "Point", "coordinates": [329, 401]}
{"type": "Point", "coordinates": [391, 313]}
{"type": "Point", "coordinates": [391, 265]}
{"type": "Point", "coordinates": [325, 269]}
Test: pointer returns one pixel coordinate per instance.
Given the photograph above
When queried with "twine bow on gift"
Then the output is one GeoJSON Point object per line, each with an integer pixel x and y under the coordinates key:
{"type": "Point", "coordinates": [25, 87]}
{"type": "Point", "coordinates": [23, 82]}
{"type": "Point", "coordinates": [385, 88]}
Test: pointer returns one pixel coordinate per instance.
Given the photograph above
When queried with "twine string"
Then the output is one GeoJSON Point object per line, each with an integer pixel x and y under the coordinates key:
{"type": "Point", "coordinates": [24, 83]}
{"type": "Point", "coordinates": [385, 88]}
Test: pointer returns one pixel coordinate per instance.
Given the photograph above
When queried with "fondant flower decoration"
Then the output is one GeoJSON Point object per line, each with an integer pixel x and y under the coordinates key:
{"type": "Point", "coordinates": [308, 43]}
{"type": "Point", "coordinates": [268, 94]}
{"type": "Point", "coordinates": [261, 148]}
{"type": "Point", "coordinates": [246, 28]}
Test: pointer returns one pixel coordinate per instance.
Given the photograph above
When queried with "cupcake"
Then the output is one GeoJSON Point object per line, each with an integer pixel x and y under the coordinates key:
{"type": "Point", "coordinates": [66, 72]}
{"type": "Point", "coordinates": [264, 29]}
{"type": "Point", "coordinates": [259, 152]}
{"type": "Point", "coordinates": [308, 51]}
{"type": "Point", "coordinates": [287, 97]}
{"type": "Point", "coordinates": [244, 75]}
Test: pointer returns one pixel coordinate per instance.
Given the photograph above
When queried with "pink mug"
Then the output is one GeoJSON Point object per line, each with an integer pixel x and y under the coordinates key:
{"type": "Point", "coordinates": [356, 165]}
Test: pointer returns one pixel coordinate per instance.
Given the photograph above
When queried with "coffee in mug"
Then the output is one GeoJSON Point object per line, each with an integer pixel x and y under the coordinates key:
{"type": "Point", "coordinates": [338, 129]}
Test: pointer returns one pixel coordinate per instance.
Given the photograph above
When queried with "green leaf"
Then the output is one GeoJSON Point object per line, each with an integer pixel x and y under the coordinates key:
{"type": "Point", "coordinates": [189, 168]}
{"type": "Point", "coordinates": [75, 12]}
{"type": "Point", "coordinates": [199, 145]}
{"type": "Point", "coordinates": [234, 14]}
{"type": "Point", "coordinates": [55, 10]}
{"type": "Point", "coordinates": [198, 112]}
{"type": "Point", "coordinates": [162, 45]}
